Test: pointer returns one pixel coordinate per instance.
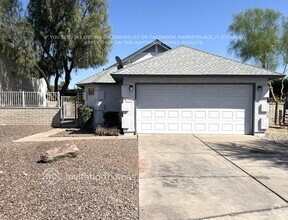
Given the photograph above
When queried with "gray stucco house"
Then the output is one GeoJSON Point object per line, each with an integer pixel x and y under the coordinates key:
{"type": "Point", "coordinates": [181, 91]}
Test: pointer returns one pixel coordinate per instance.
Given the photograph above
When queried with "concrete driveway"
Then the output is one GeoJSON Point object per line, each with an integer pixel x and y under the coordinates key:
{"type": "Point", "coordinates": [215, 177]}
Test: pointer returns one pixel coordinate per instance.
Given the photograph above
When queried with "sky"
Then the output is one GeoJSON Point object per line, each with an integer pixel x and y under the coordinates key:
{"type": "Point", "coordinates": [201, 24]}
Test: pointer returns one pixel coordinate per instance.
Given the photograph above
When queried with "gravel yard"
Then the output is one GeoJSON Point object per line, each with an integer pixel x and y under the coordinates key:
{"type": "Point", "coordinates": [101, 183]}
{"type": "Point", "coordinates": [279, 135]}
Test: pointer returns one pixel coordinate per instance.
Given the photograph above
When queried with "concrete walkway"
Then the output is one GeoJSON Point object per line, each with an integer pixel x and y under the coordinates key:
{"type": "Point", "coordinates": [181, 177]}
{"type": "Point", "coordinates": [45, 137]}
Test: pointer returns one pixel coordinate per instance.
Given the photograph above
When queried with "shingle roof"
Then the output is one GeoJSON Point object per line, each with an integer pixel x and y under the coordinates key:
{"type": "Point", "coordinates": [102, 77]}
{"type": "Point", "coordinates": [188, 61]}
{"type": "Point", "coordinates": [105, 75]}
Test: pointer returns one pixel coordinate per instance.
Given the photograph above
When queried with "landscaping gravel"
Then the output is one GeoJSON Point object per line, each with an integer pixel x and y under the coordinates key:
{"type": "Point", "coordinates": [278, 135]}
{"type": "Point", "coordinates": [100, 183]}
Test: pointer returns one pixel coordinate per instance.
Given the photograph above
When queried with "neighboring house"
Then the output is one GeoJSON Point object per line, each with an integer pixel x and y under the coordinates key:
{"type": "Point", "coordinates": [183, 91]}
{"type": "Point", "coordinates": [9, 82]}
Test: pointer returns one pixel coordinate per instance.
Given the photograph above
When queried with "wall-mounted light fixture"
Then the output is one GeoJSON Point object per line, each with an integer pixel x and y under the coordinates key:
{"type": "Point", "coordinates": [131, 88]}
{"type": "Point", "coordinates": [259, 88]}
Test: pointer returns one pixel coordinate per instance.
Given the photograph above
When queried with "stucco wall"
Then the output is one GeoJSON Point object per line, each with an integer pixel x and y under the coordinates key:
{"type": "Point", "coordinates": [129, 116]}
{"type": "Point", "coordinates": [30, 116]}
{"type": "Point", "coordinates": [9, 82]}
{"type": "Point", "coordinates": [110, 102]}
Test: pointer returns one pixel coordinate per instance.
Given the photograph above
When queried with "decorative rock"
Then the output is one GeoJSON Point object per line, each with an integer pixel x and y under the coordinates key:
{"type": "Point", "coordinates": [59, 153]}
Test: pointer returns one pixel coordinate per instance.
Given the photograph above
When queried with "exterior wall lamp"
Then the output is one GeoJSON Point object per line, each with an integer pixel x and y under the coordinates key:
{"type": "Point", "coordinates": [131, 88]}
{"type": "Point", "coordinates": [259, 88]}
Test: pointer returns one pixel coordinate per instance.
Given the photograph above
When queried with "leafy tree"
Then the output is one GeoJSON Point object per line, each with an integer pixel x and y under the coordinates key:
{"type": "Point", "coordinates": [56, 37]}
{"type": "Point", "coordinates": [16, 38]}
{"type": "Point", "coordinates": [257, 34]}
{"type": "Point", "coordinates": [262, 38]}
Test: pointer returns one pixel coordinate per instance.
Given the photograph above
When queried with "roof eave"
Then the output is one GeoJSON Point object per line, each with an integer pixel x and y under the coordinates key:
{"type": "Point", "coordinates": [117, 76]}
{"type": "Point", "coordinates": [83, 84]}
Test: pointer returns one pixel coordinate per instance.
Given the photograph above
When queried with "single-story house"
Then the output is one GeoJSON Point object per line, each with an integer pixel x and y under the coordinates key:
{"type": "Point", "coordinates": [181, 91]}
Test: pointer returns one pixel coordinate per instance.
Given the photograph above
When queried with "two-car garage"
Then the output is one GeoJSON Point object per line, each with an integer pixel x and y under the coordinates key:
{"type": "Point", "coordinates": [194, 108]}
{"type": "Point", "coordinates": [188, 91]}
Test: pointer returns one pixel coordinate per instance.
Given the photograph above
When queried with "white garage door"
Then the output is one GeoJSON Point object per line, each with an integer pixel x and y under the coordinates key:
{"type": "Point", "coordinates": [194, 109]}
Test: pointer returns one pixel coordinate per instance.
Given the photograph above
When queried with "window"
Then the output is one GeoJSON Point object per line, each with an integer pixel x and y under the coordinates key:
{"type": "Point", "coordinates": [90, 91]}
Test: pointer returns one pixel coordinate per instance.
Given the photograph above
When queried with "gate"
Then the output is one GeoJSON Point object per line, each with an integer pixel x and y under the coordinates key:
{"type": "Point", "coordinates": [69, 113]}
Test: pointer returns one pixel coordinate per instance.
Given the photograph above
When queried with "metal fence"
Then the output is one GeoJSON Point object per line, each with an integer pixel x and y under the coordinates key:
{"type": "Point", "coordinates": [29, 99]}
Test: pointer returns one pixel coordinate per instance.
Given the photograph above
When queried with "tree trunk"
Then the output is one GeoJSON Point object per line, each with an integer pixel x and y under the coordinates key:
{"type": "Point", "coordinates": [56, 82]}
{"type": "Point", "coordinates": [42, 74]}
{"type": "Point", "coordinates": [67, 71]}
{"type": "Point", "coordinates": [66, 83]}
{"type": "Point", "coordinates": [276, 120]}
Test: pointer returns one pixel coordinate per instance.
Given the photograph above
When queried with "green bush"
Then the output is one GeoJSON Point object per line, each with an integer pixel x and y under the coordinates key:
{"type": "Point", "coordinates": [103, 131]}
{"type": "Point", "coordinates": [112, 120]}
{"type": "Point", "coordinates": [85, 114]}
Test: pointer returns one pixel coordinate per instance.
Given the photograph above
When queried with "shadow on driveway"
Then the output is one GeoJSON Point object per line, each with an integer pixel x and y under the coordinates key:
{"type": "Point", "coordinates": [266, 161]}
{"type": "Point", "coordinates": [181, 177]}
{"type": "Point", "coordinates": [249, 148]}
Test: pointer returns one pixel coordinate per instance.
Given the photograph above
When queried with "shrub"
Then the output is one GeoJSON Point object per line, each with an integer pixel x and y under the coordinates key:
{"type": "Point", "coordinates": [85, 114]}
{"type": "Point", "coordinates": [112, 120]}
{"type": "Point", "coordinates": [103, 131]}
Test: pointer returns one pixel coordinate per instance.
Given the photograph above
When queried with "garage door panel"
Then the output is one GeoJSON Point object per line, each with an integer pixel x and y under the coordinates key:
{"type": "Point", "coordinates": [227, 127]}
{"type": "Point", "coordinates": [146, 126]}
{"type": "Point", "coordinates": [146, 113]}
{"type": "Point", "coordinates": [200, 127]}
{"type": "Point", "coordinates": [187, 127]}
{"type": "Point", "coordinates": [173, 114]}
{"type": "Point", "coordinates": [213, 127]}
{"type": "Point", "coordinates": [230, 90]}
{"type": "Point", "coordinates": [173, 127]}
{"type": "Point", "coordinates": [187, 90]}
{"type": "Point", "coordinates": [160, 101]}
{"type": "Point", "coordinates": [240, 115]}
{"type": "Point", "coordinates": [227, 114]}
{"type": "Point", "coordinates": [160, 114]}
{"type": "Point", "coordinates": [159, 126]}
{"type": "Point", "coordinates": [200, 114]}
{"type": "Point", "coordinates": [161, 110]}
{"type": "Point", "coordinates": [214, 90]}
{"type": "Point", "coordinates": [183, 101]}
{"type": "Point", "coordinates": [187, 114]}
{"type": "Point", "coordinates": [214, 115]}
{"type": "Point", "coordinates": [239, 127]}
{"type": "Point", "coordinates": [145, 101]}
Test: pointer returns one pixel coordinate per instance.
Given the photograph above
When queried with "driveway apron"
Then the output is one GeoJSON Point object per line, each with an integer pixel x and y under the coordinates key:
{"type": "Point", "coordinates": [183, 178]}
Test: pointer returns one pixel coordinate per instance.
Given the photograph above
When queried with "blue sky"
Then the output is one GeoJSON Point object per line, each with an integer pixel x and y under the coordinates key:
{"type": "Point", "coordinates": [200, 24]}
